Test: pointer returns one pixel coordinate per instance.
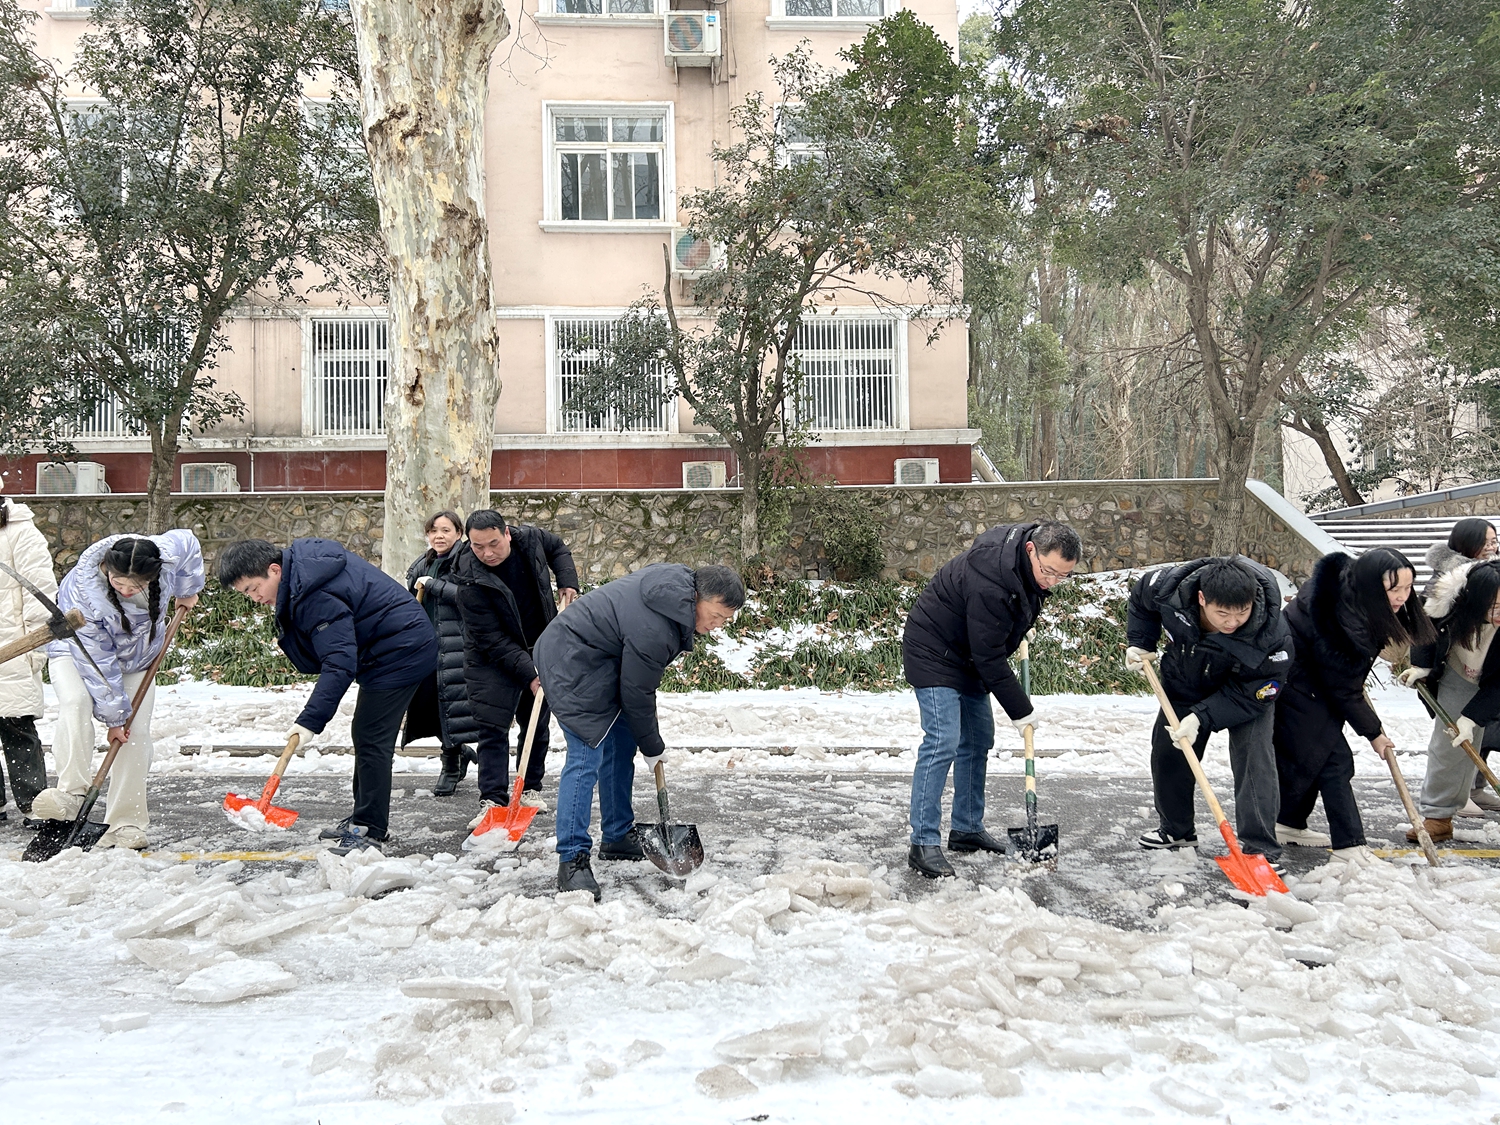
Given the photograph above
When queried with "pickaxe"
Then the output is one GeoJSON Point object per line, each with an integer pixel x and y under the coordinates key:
{"type": "Point", "coordinates": [60, 626]}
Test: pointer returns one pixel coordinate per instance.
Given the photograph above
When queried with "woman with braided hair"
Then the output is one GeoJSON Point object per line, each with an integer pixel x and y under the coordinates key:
{"type": "Point", "coordinates": [122, 585]}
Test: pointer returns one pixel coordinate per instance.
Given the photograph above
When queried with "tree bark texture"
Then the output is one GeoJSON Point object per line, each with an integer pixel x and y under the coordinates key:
{"type": "Point", "coordinates": [1318, 431]}
{"type": "Point", "coordinates": [424, 78]}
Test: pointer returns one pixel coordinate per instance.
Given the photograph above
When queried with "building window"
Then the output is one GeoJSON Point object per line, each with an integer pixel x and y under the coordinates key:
{"type": "Point", "coordinates": [836, 9]}
{"type": "Point", "coordinates": [576, 346]}
{"type": "Point", "coordinates": [851, 373]}
{"type": "Point", "coordinates": [610, 165]}
{"type": "Point", "coordinates": [351, 365]}
{"type": "Point", "coordinates": [604, 7]}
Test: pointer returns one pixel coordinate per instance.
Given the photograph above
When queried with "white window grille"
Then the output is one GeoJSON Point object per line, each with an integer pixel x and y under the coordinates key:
{"type": "Point", "coordinates": [351, 364]}
{"type": "Point", "coordinates": [851, 373]}
{"type": "Point", "coordinates": [837, 9]}
{"type": "Point", "coordinates": [604, 7]}
{"type": "Point", "coordinates": [797, 144]}
{"type": "Point", "coordinates": [105, 418]}
{"type": "Point", "coordinates": [610, 164]}
{"type": "Point", "coordinates": [576, 347]}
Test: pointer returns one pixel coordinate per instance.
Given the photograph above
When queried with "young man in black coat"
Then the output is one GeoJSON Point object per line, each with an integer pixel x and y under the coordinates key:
{"type": "Point", "coordinates": [504, 579]}
{"type": "Point", "coordinates": [601, 663]}
{"type": "Point", "coordinates": [1228, 653]}
{"type": "Point", "coordinates": [348, 621]}
{"type": "Point", "coordinates": [956, 652]}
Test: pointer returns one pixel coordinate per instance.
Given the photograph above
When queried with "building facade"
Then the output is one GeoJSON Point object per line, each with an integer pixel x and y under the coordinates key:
{"type": "Point", "coordinates": [602, 115]}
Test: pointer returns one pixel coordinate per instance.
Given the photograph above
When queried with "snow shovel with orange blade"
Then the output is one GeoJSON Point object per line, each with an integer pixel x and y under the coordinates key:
{"type": "Point", "coordinates": [274, 814]}
{"type": "Point", "coordinates": [515, 817]}
{"type": "Point", "coordinates": [1250, 873]}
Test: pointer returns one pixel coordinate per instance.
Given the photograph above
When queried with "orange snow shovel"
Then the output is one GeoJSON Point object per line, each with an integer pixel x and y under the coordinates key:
{"type": "Point", "coordinates": [1250, 873]}
{"type": "Point", "coordinates": [515, 817]}
{"type": "Point", "coordinates": [274, 814]}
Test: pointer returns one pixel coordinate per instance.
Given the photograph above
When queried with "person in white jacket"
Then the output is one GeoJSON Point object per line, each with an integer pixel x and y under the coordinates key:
{"type": "Point", "coordinates": [24, 549]}
{"type": "Point", "coordinates": [122, 585]}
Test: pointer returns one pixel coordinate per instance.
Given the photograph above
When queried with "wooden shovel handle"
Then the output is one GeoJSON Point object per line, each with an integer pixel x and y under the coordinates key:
{"type": "Point", "coordinates": [140, 694]}
{"type": "Point", "coordinates": [1187, 750]}
{"type": "Point", "coordinates": [42, 634]}
{"type": "Point", "coordinates": [286, 755]}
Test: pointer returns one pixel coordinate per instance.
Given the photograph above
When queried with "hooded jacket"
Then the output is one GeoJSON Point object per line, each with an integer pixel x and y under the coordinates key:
{"type": "Point", "coordinates": [115, 650]}
{"type": "Point", "coordinates": [605, 657]}
{"type": "Point", "coordinates": [973, 614]}
{"type": "Point", "coordinates": [1226, 679]}
{"type": "Point", "coordinates": [350, 622]}
{"type": "Point", "coordinates": [455, 715]}
{"type": "Point", "coordinates": [1485, 706]}
{"type": "Point", "coordinates": [1334, 651]}
{"type": "Point", "coordinates": [1441, 558]}
{"type": "Point", "coordinates": [24, 549]}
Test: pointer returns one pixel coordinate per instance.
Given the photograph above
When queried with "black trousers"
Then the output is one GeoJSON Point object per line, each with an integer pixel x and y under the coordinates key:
{"type": "Point", "coordinates": [377, 721]}
{"type": "Point", "coordinates": [1256, 791]}
{"type": "Point", "coordinates": [494, 747]}
{"type": "Point", "coordinates": [1333, 783]}
{"type": "Point", "coordinates": [23, 757]}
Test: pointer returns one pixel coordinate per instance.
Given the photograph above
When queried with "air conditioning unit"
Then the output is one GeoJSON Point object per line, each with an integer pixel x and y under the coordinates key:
{"type": "Point", "coordinates": [703, 474]}
{"type": "Point", "coordinates": [64, 478]}
{"type": "Point", "coordinates": [917, 470]}
{"type": "Point", "coordinates": [210, 476]}
{"type": "Point", "coordinates": [693, 256]}
{"type": "Point", "coordinates": [692, 38]}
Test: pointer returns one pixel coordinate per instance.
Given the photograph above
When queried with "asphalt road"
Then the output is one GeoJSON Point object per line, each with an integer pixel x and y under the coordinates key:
{"type": "Point", "coordinates": [755, 824]}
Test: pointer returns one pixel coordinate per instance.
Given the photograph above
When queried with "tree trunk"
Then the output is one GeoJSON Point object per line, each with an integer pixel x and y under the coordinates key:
{"type": "Point", "coordinates": [750, 464]}
{"type": "Point", "coordinates": [1236, 451]}
{"type": "Point", "coordinates": [424, 77]}
{"type": "Point", "coordinates": [1318, 431]}
{"type": "Point", "coordinates": [164, 446]}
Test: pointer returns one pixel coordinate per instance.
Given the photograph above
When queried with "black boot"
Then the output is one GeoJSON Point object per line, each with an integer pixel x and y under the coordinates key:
{"type": "Point", "coordinates": [930, 861]}
{"type": "Point", "coordinates": [627, 846]}
{"type": "Point", "coordinates": [576, 875]}
{"type": "Point", "coordinates": [980, 841]}
{"type": "Point", "coordinates": [455, 766]}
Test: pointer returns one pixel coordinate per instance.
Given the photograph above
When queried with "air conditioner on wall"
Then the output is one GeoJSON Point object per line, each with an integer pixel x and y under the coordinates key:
{"type": "Point", "coordinates": [692, 38]}
{"type": "Point", "coordinates": [693, 256]}
{"type": "Point", "coordinates": [64, 478]}
{"type": "Point", "coordinates": [917, 470]}
{"type": "Point", "coordinates": [210, 476]}
{"type": "Point", "coordinates": [703, 474]}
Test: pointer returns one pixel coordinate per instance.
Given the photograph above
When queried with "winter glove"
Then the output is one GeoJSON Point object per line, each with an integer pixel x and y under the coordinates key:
{"type": "Point", "coordinates": [1186, 730]}
{"type": "Point", "coordinates": [304, 736]}
{"type": "Point", "coordinates": [1467, 729]}
{"type": "Point", "coordinates": [1410, 676]}
{"type": "Point", "coordinates": [1026, 721]}
{"type": "Point", "coordinates": [1135, 659]}
{"type": "Point", "coordinates": [652, 759]}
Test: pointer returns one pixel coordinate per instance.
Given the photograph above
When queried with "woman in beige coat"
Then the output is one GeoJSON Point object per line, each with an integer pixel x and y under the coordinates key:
{"type": "Point", "coordinates": [23, 548]}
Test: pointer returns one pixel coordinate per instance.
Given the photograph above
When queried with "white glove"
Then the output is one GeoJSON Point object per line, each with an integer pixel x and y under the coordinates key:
{"type": "Point", "coordinates": [1135, 659]}
{"type": "Point", "coordinates": [1467, 729]}
{"type": "Point", "coordinates": [304, 736]}
{"type": "Point", "coordinates": [1410, 676]}
{"type": "Point", "coordinates": [652, 759]}
{"type": "Point", "coordinates": [1186, 730]}
{"type": "Point", "coordinates": [1026, 721]}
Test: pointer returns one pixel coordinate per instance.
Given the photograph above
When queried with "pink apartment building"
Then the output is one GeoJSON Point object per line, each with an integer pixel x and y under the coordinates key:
{"type": "Point", "coordinates": [595, 132]}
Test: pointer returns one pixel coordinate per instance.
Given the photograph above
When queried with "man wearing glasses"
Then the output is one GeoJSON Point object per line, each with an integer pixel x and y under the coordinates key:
{"type": "Point", "coordinates": [956, 653]}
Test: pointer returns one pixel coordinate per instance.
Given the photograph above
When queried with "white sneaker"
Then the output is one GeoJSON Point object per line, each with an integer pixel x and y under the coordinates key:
{"type": "Point", "coordinates": [1485, 798]}
{"type": "Point", "coordinates": [484, 807]}
{"type": "Point", "coordinates": [1304, 837]}
{"type": "Point", "coordinates": [1471, 810]}
{"type": "Point", "coordinates": [54, 804]}
{"type": "Point", "coordinates": [531, 799]}
{"type": "Point", "coordinates": [1357, 856]}
{"type": "Point", "coordinates": [124, 836]}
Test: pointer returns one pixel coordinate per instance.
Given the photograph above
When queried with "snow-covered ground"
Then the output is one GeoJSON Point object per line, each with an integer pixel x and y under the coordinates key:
{"type": "Point", "coordinates": [805, 990]}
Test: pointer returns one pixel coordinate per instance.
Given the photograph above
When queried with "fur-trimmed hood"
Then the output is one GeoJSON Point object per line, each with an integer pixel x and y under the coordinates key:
{"type": "Point", "coordinates": [1443, 558]}
{"type": "Point", "coordinates": [1447, 587]}
{"type": "Point", "coordinates": [1327, 602]}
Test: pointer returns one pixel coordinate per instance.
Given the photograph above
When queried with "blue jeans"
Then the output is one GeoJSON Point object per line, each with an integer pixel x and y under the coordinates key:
{"type": "Point", "coordinates": [958, 731]}
{"type": "Point", "coordinates": [610, 765]}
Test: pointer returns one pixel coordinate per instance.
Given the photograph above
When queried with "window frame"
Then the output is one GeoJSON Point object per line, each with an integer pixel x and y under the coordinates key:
{"type": "Point", "coordinates": [900, 324]}
{"type": "Point", "coordinates": [553, 396]}
{"type": "Point", "coordinates": [778, 20]}
{"type": "Point", "coordinates": [552, 220]}
{"type": "Point", "coordinates": [70, 10]}
{"type": "Point", "coordinates": [547, 12]}
{"type": "Point", "coordinates": [311, 418]}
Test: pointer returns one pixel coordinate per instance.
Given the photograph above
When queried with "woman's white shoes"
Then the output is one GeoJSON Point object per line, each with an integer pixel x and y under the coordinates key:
{"type": "Point", "coordinates": [54, 804]}
{"type": "Point", "coordinates": [1304, 837]}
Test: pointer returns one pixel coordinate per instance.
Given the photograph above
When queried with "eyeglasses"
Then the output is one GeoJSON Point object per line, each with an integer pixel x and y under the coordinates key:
{"type": "Point", "coordinates": [1048, 572]}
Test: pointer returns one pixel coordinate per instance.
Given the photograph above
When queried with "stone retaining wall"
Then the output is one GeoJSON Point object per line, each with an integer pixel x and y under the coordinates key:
{"type": "Point", "coordinates": [1123, 523]}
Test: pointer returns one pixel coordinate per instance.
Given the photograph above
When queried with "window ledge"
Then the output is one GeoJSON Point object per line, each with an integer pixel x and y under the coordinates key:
{"type": "Point", "coordinates": [564, 226]}
{"type": "Point", "coordinates": [821, 23]}
{"type": "Point", "coordinates": [69, 13]}
{"type": "Point", "coordinates": [570, 19]}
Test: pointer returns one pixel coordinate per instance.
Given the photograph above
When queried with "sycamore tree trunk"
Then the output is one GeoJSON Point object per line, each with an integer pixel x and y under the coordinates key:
{"type": "Point", "coordinates": [424, 79]}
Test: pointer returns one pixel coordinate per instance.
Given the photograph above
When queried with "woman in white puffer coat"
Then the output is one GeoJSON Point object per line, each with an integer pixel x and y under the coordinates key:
{"type": "Point", "coordinates": [24, 549]}
{"type": "Point", "coordinates": [123, 585]}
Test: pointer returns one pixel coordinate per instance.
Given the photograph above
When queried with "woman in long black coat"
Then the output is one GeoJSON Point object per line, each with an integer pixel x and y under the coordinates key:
{"type": "Point", "coordinates": [441, 705]}
{"type": "Point", "coordinates": [1343, 617]}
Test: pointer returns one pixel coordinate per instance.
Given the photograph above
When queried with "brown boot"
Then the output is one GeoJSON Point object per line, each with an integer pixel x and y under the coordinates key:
{"type": "Point", "coordinates": [1439, 830]}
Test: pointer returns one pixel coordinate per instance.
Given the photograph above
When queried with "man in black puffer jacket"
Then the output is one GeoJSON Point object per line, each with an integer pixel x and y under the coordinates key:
{"type": "Point", "coordinates": [504, 580]}
{"type": "Point", "coordinates": [601, 663]}
{"type": "Point", "coordinates": [956, 652]}
{"type": "Point", "coordinates": [1228, 652]}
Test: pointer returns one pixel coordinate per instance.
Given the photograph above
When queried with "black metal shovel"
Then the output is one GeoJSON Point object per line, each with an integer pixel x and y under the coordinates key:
{"type": "Point", "coordinates": [674, 848]}
{"type": "Point", "coordinates": [1035, 842]}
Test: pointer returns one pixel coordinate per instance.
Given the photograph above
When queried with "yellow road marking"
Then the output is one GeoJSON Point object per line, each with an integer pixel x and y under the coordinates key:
{"type": "Point", "coordinates": [1477, 853]}
{"type": "Point", "coordinates": [249, 857]}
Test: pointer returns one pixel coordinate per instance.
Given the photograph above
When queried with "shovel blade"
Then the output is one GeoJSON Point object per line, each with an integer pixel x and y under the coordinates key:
{"type": "Point", "coordinates": [274, 815]}
{"type": "Point", "coordinates": [510, 821]}
{"type": "Point", "coordinates": [673, 848]}
{"type": "Point", "coordinates": [1035, 846]}
{"type": "Point", "coordinates": [1251, 873]}
{"type": "Point", "coordinates": [53, 837]}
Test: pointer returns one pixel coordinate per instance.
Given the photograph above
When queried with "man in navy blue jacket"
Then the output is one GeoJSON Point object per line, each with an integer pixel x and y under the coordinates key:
{"type": "Point", "coordinates": [350, 622]}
